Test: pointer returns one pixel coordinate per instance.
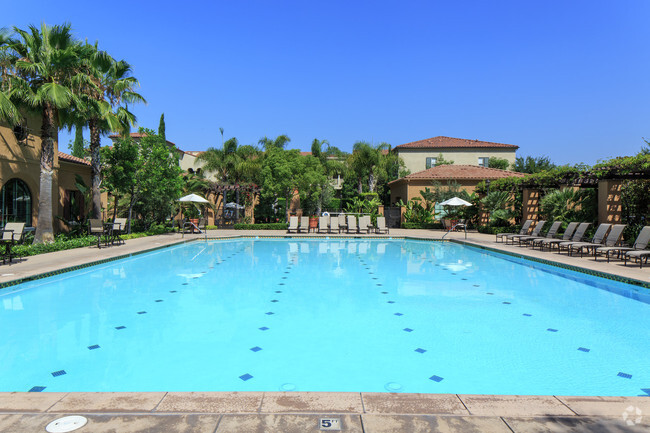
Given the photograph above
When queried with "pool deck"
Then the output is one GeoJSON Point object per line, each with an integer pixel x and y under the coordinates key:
{"type": "Point", "coordinates": [301, 412]}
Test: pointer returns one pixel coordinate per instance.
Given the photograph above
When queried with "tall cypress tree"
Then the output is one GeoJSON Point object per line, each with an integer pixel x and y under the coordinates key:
{"type": "Point", "coordinates": [161, 126]}
{"type": "Point", "coordinates": [78, 146]}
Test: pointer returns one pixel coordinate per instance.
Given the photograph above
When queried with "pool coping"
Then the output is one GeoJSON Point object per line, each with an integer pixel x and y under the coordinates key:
{"type": "Point", "coordinates": [406, 406]}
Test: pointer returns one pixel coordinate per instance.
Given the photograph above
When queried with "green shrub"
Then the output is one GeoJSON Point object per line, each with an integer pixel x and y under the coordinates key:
{"type": "Point", "coordinates": [492, 230]}
{"type": "Point", "coordinates": [334, 203]}
{"type": "Point", "coordinates": [266, 226]}
{"type": "Point", "coordinates": [420, 225]}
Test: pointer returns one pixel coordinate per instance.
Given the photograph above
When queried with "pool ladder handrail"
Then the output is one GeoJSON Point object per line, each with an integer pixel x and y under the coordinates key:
{"type": "Point", "coordinates": [454, 226]}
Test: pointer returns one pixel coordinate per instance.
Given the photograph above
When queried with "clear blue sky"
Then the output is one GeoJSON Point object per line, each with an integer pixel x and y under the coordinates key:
{"type": "Point", "coordinates": [567, 79]}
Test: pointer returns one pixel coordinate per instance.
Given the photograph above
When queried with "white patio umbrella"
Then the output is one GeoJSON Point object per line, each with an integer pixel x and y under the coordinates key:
{"type": "Point", "coordinates": [455, 201]}
{"type": "Point", "coordinates": [193, 198]}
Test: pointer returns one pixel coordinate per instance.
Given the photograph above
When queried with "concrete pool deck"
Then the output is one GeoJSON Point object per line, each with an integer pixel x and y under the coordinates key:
{"type": "Point", "coordinates": [301, 412]}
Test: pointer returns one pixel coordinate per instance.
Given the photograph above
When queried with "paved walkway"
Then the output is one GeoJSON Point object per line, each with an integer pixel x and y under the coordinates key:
{"type": "Point", "coordinates": [309, 412]}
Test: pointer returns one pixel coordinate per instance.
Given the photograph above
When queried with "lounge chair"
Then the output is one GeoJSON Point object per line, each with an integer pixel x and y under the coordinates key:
{"type": "Point", "coordinates": [364, 224]}
{"type": "Point", "coordinates": [323, 225]}
{"type": "Point", "coordinates": [578, 235]}
{"type": "Point", "coordinates": [637, 255]}
{"type": "Point", "coordinates": [536, 231]}
{"type": "Point", "coordinates": [381, 225]}
{"type": "Point", "coordinates": [523, 231]}
{"type": "Point", "coordinates": [641, 243]}
{"type": "Point", "coordinates": [526, 240]}
{"type": "Point", "coordinates": [598, 238]}
{"type": "Point", "coordinates": [293, 224]}
{"type": "Point", "coordinates": [119, 228]}
{"type": "Point", "coordinates": [97, 229]}
{"type": "Point", "coordinates": [612, 239]}
{"type": "Point", "coordinates": [11, 234]}
{"type": "Point", "coordinates": [304, 224]}
{"type": "Point", "coordinates": [343, 223]}
{"type": "Point", "coordinates": [352, 224]}
{"type": "Point", "coordinates": [334, 225]}
{"type": "Point", "coordinates": [546, 242]}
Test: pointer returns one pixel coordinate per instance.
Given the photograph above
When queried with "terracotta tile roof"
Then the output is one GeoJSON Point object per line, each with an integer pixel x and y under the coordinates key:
{"type": "Point", "coordinates": [74, 159]}
{"type": "Point", "coordinates": [460, 172]}
{"type": "Point", "coordinates": [450, 142]}
{"type": "Point", "coordinates": [194, 152]}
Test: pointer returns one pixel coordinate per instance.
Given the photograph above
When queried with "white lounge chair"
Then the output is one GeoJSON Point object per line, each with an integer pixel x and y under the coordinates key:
{"type": "Point", "coordinates": [363, 224]}
{"type": "Point", "coordinates": [304, 224]}
{"type": "Point", "coordinates": [381, 225]}
{"type": "Point", "coordinates": [323, 225]}
{"type": "Point", "coordinates": [352, 224]}
{"type": "Point", "coordinates": [293, 224]}
{"type": "Point", "coordinates": [334, 225]}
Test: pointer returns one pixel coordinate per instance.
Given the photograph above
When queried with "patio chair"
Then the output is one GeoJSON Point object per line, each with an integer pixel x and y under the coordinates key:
{"type": "Point", "coordinates": [523, 231]}
{"type": "Point", "coordinates": [363, 224]}
{"type": "Point", "coordinates": [11, 234]}
{"type": "Point", "coordinates": [598, 238]}
{"type": "Point", "coordinates": [293, 224]}
{"type": "Point", "coordinates": [549, 242]}
{"type": "Point", "coordinates": [536, 231]}
{"type": "Point", "coordinates": [343, 224]}
{"type": "Point", "coordinates": [381, 225]}
{"type": "Point", "coordinates": [578, 235]}
{"type": "Point", "coordinates": [97, 228]}
{"type": "Point", "coordinates": [119, 228]}
{"type": "Point", "coordinates": [352, 224]}
{"type": "Point", "coordinates": [637, 255]}
{"type": "Point", "coordinates": [304, 224]}
{"type": "Point", "coordinates": [323, 225]}
{"type": "Point", "coordinates": [641, 243]}
{"type": "Point", "coordinates": [526, 240]}
{"type": "Point", "coordinates": [612, 239]}
{"type": "Point", "coordinates": [334, 225]}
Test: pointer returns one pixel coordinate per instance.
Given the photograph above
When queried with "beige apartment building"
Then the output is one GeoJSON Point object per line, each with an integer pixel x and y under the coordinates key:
{"type": "Point", "coordinates": [423, 154]}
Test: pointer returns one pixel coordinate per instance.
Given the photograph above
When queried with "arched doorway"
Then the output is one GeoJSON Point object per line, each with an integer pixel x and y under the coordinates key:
{"type": "Point", "coordinates": [16, 203]}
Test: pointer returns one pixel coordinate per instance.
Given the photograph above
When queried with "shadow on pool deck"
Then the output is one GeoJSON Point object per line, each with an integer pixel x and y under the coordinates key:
{"type": "Point", "coordinates": [302, 412]}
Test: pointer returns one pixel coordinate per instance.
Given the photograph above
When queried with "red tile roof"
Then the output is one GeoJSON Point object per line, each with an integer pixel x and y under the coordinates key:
{"type": "Point", "coordinates": [194, 152]}
{"type": "Point", "coordinates": [460, 172]}
{"type": "Point", "coordinates": [74, 159]}
{"type": "Point", "coordinates": [450, 142]}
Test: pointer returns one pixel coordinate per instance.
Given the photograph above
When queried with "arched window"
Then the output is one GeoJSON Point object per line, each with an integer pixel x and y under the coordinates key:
{"type": "Point", "coordinates": [16, 203]}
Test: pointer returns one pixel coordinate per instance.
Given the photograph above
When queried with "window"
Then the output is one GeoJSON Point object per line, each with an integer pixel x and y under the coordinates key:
{"type": "Point", "coordinates": [483, 161]}
{"type": "Point", "coordinates": [16, 203]}
{"type": "Point", "coordinates": [431, 162]}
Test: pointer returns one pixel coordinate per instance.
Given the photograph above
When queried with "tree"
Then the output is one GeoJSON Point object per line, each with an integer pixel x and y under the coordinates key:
{"type": "Point", "coordinates": [40, 65]}
{"type": "Point", "coordinates": [161, 127]}
{"type": "Point", "coordinates": [440, 160]}
{"type": "Point", "coordinates": [280, 142]}
{"type": "Point", "coordinates": [120, 167]}
{"type": "Point", "coordinates": [496, 162]}
{"type": "Point", "coordinates": [532, 165]}
{"type": "Point", "coordinates": [78, 146]}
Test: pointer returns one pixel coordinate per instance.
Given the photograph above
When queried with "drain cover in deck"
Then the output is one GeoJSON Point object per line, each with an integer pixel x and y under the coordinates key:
{"type": "Point", "coordinates": [66, 424]}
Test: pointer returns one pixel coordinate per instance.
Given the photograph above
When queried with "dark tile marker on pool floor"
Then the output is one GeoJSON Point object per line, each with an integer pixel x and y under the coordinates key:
{"type": "Point", "coordinates": [120, 327]}
{"type": "Point", "coordinates": [507, 303]}
{"type": "Point", "coordinates": [245, 377]}
{"type": "Point", "coordinates": [420, 350]}
{"type": "Point", "coordinates": [93, 347]}
{"type": "Point", "coordinates": [269, 313]}
{"type": "Point", "coordinates": [62, 372]}
{"type": "Point", "coordinates": [527, 315]}
{"type": "Point", "coordinates": [398, 314]}
{"type": "Point", "coordinates": [583, 349]}
{"type": "Point", "coordinates": [551, 330]}
{"type": "Point", "coordinates": [159, 300]}
{"type": "Point", "coordinates": [256, 349]}
{"type": "Point", "coordinates": [37, 389]}
{"type": "Point", "coordinates": [142, 312]}
{"type": "Point", "coordinates": [172, 291]}
{"type": "Point", "coordinates": [263, 328]}
{"type": "Point", "coordinates": [620, 374]}
{"type": "Point", "coordinates": [436, 378]}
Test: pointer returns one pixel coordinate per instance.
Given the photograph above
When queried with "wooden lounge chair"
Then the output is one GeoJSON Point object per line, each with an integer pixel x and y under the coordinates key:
{"type": "Point", "coordinates": [536, 231]}
{"type": "Point", "coordinates": [11, 234]}
{"type": "Point", "coordinates": [334, 225]}
{"type": "Point", "coordinates": [523, 231]}
{"type": "Point", "coordinates": [323, 225]}
{"type": "Point", "coordinates": [578, 235]}
{"type": "Point", "coordinates": [546, 242]}
{"type": "Point", "coordinates": [293, 224]}
{"type": "Point", "coordinates": [641, 243]}
{"type": "Point", "coordinates": [352, 224]}
{"type": "Point", "coordinates": [613, 238]}
{"type": "Point", "coordinates": [96, 228]}
{"type": "Point", "coordinates": [381, 225]}
{"type": "Point", "coordinates": [528, 240]}
{"type": "Point", "coordinates": [304, 224]}
{"type": "Point", "coordinates": [598, 238]}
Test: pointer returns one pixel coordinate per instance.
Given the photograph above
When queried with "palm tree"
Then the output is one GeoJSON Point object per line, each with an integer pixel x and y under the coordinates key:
{"type": "Point", "coordinates": [365, 163]}
{"type": "Point", "coordinates": [41, 63]}
{"type": "Point", "coordinates": [232, 164]}
{"type": "Point", "coordinates": [279, 142]}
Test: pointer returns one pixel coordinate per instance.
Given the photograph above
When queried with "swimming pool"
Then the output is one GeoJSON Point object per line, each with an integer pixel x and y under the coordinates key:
{"type": "Point", "coordinates": [326, 315]}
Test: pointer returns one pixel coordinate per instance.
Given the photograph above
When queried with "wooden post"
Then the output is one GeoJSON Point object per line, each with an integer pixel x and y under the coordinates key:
{"type": "Point", "coordinates": [530, 207]}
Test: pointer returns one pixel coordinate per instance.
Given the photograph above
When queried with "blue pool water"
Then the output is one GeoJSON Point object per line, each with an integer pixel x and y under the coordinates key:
{"type": "Point", "coordinates": [326, 315]}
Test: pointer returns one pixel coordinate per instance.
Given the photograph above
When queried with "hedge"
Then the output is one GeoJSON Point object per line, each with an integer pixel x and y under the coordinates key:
{"type": "Point", "coordinates": [495, 230]}
{"type": "Point", "coordinates": [433, 226]}
{"type": "Point", "coordinates": [266, 226]}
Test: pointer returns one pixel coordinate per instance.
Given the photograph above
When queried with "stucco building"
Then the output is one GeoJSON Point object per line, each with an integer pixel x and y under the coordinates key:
{"type": "Point", "coordinates": [423, 154]}
{"type": "Point", "coordinates": [20, 156]}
